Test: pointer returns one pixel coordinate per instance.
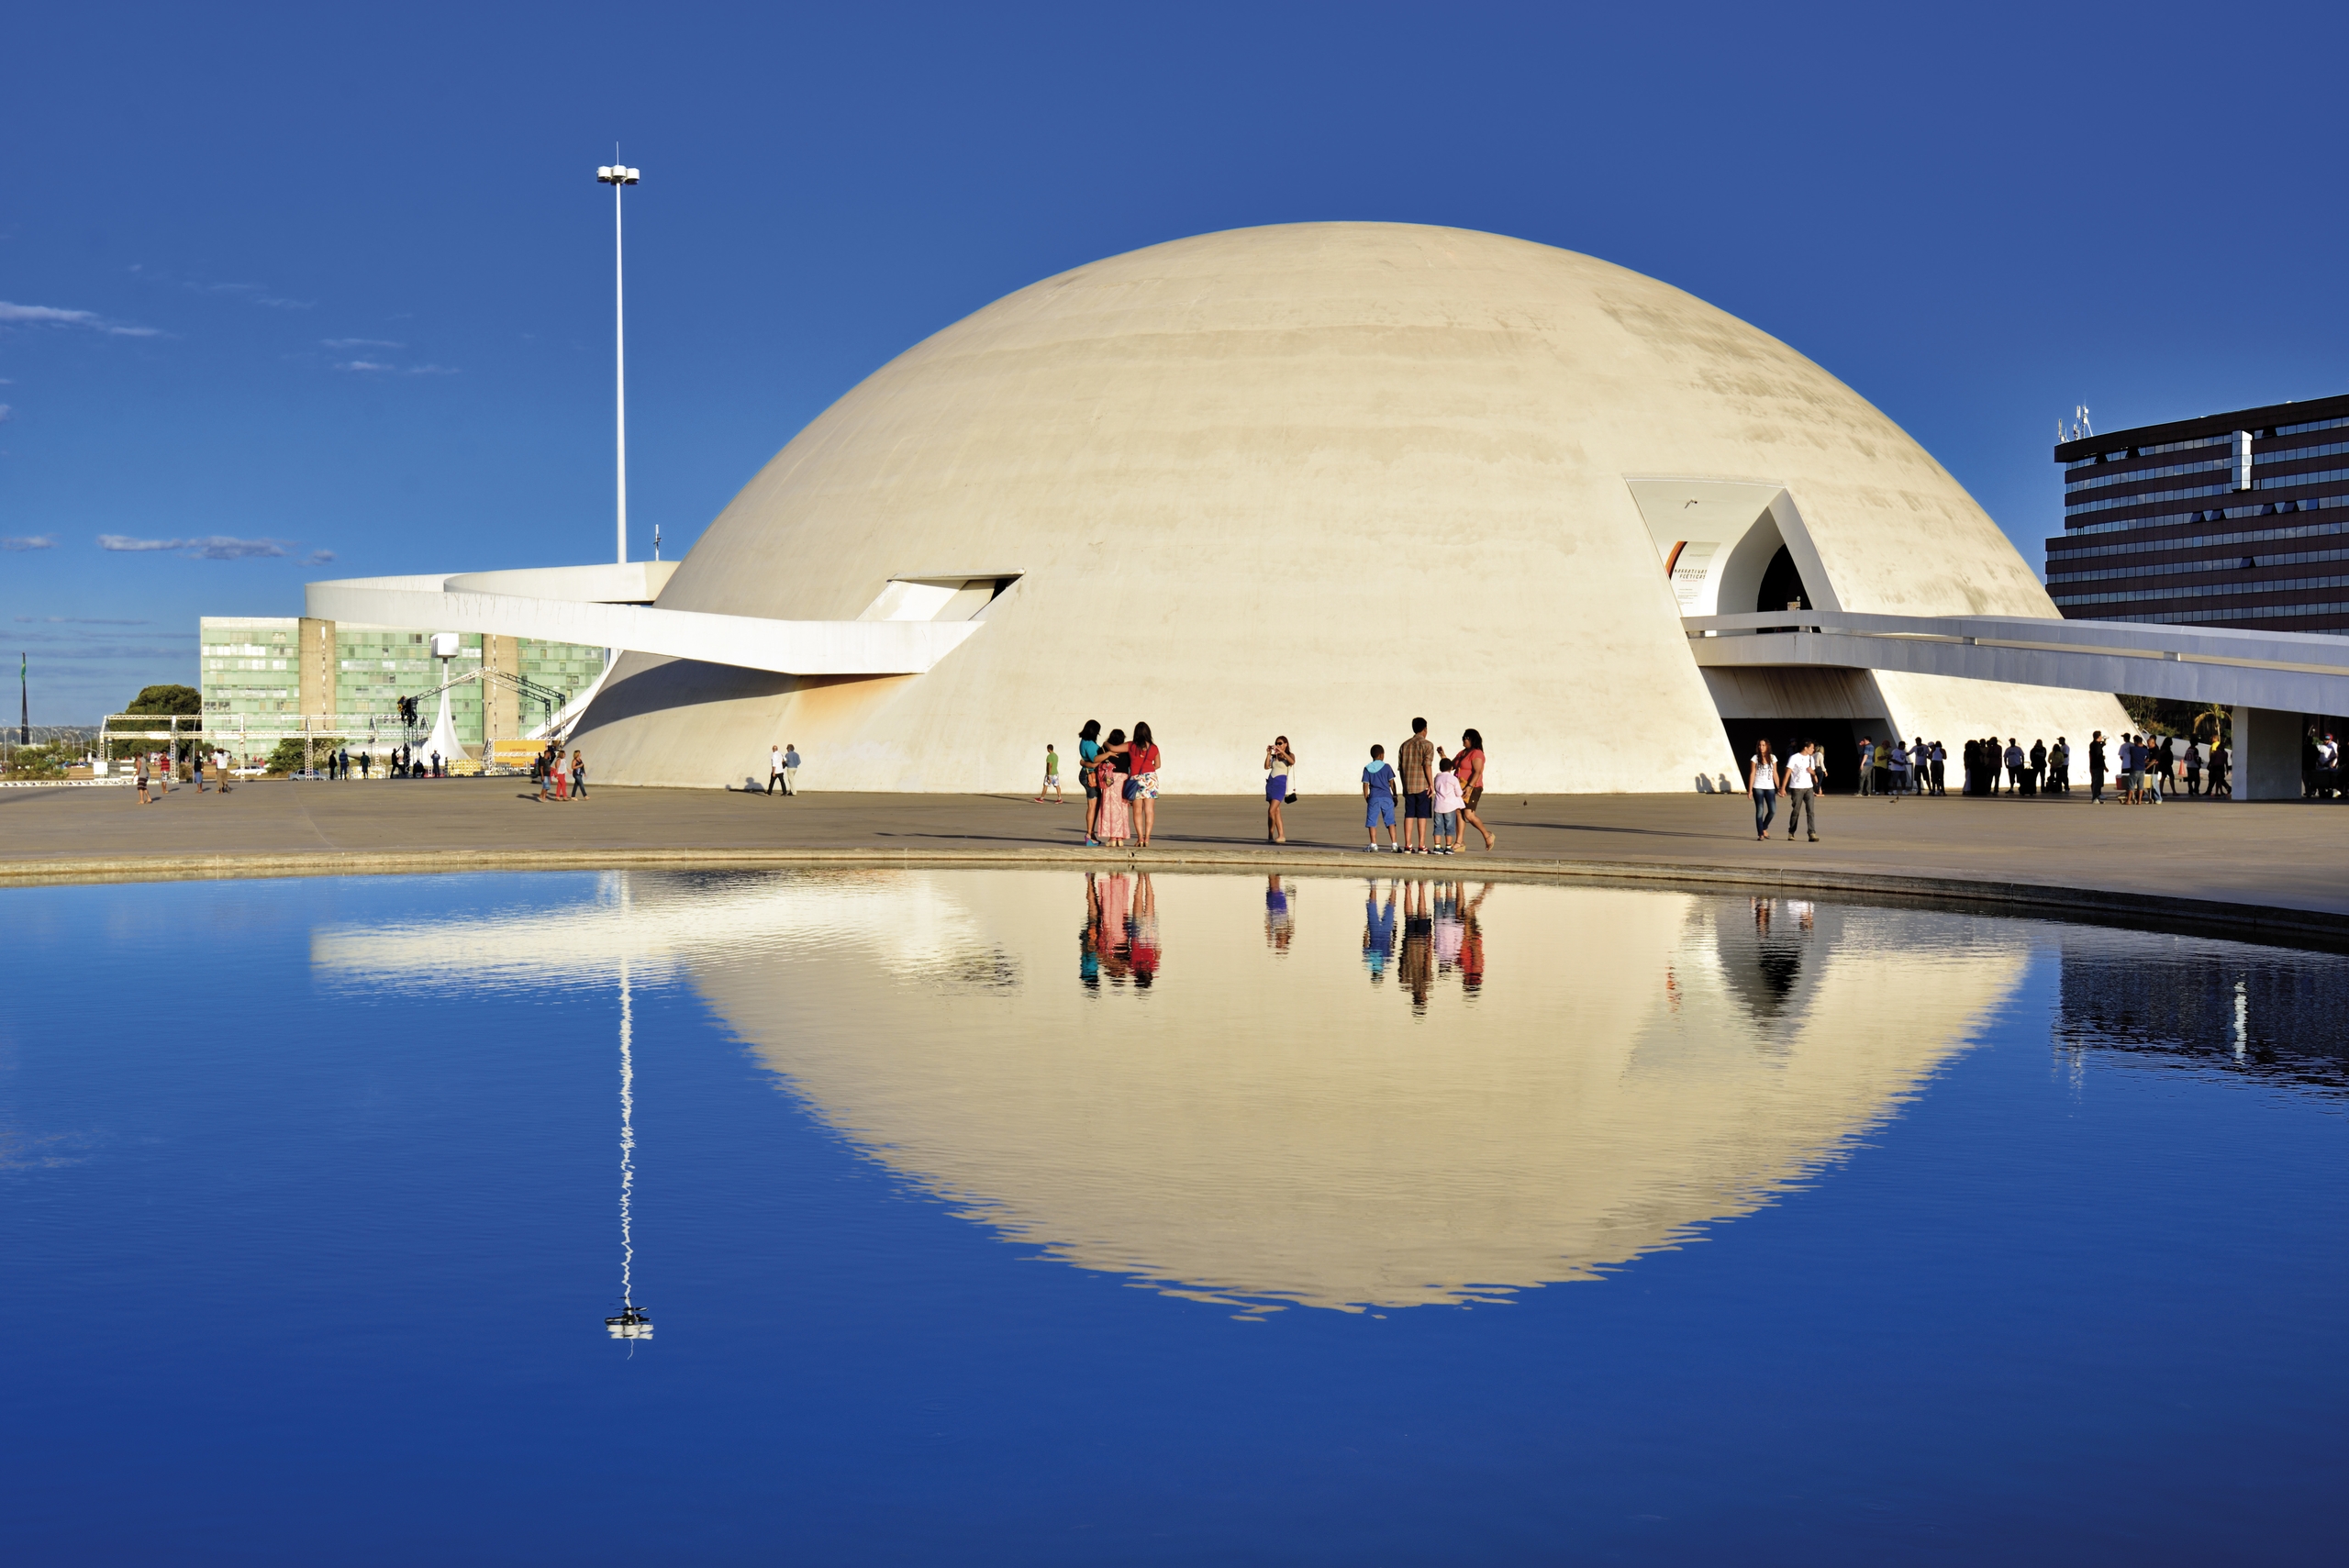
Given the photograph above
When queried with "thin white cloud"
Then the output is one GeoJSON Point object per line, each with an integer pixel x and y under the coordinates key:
{"type": "Point", "coordinates": [380, 367]}
{"type": "Point", "coordinates": [57, 316]}
{"type": "Point", "coordinates": [3, 413]}
{"type": "Point", "coordinates": [318, 558]}
{"type": "Point", "coordinates": [29, 541]}
{"type": "Point", "coordinates": [360, 343]}
{"type": "Point", "coordinates": [76, 620]}
{"type": "Point", "coordinates": [213, 547]}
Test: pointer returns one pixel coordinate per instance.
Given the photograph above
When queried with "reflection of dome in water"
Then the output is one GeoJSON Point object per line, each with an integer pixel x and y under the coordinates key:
{"type": "Point", "coordinates": [1189, 482]}
{"type": "Point", "coordinates": [1269, 1128]}
{"type": "Point", "coordinates": [1274, 1127]}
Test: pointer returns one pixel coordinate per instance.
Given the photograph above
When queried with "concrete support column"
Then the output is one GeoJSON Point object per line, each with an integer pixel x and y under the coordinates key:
{"type": "Point", "coordinates": [2267, 754]}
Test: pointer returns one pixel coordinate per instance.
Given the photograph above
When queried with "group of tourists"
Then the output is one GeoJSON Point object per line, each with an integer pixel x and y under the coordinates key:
{"type": "Point", "coordinates": [2151, 771]}
{"type": "Point", "coordinates": [1440, 792]}
{"type": "Point", "coordinates": [1895, 770]}
{"type": "Point", "coordinates": [2043, 770]}
{"type": "Point", "coordinates": [560, 777]}
{"type": "Point", "coordinates": [1120, 778]}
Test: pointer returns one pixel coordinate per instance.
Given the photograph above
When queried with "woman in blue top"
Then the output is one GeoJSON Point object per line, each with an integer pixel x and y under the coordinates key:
{"type": "Point", "coordinates": [1088, 746]}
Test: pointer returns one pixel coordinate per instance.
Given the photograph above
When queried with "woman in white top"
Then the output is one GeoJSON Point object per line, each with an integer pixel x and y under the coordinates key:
{"type": "Point", "coordinates": [1278, 759]}
{"type": "Point", "coordinates": [1762, 783]}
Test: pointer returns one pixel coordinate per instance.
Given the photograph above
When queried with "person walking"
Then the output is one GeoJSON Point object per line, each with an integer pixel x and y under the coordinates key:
{"type": "Point", "coordinates": [1867, 765]}
{"type": "Point", "coordinates": [790, 768]}
{"type": "Point", "coordinates": [1089, 747]}
{"type": "Point", "coordinates": [1416, 763]}
{"type": "Point", "coordinates": [1378, 800]}
{"type": "Point", "coordinates": [144, 798]}
{"type": "Point", "coordinates": [1470, 766]}
{"type": "Point", "coordinates": [1802, 791]}
{"type": "Point", "coordinates": [1278, 760]}
{"type": "Point", "coordinates": [775, 770]}
{"type": "Point", "coordinates": [220, 770]}
{"type": "Point", "coordinates": [2096, 769]}
{"type": "Point", "coordinates": [1761, 784]}
{"type": "Point", "coordinates": [2194, 768]}
{"type": "Point", "coordinates": [578, 776]}
{"type": "Point", "coordinates": [2221, 760]}
{"type": "Point", "coordinates": [1052, 778]}
{"type": "Point", "coordinates": [1114, 824]}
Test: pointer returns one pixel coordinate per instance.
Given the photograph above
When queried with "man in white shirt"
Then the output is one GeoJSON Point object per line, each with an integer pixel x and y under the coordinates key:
{"type": "Point", "coordinates": [1805, 773]}
{"type": "Point", "coordinates": [775, 770]}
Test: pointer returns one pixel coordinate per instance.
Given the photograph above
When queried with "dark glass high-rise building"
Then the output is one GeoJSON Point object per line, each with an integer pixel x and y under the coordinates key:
{"type": "Point", "coordinates": [2234, 519]}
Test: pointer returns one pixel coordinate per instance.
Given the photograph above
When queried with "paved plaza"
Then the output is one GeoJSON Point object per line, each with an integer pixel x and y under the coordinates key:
{"type": "Point", "coordinates": [2274, 867]}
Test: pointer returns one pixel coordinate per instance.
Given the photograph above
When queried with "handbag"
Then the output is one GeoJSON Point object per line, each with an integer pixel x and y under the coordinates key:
{"type": "Point", "coordinates": [1133, 789]}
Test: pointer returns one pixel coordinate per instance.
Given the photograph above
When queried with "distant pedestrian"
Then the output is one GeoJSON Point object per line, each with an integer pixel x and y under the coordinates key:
{"type": "Point", "coordinates": [1416, 763]}
{"type": "Point", "coordinates": [2193, 767]}
{"type": "Point", "coordinates": [1378, 800]}
{"type": "Point", "coordinates": [790, 768]}
{"type": "Point", "coordinates": [220, 769]}
{"type": "Point", "coordinates": [144, 798]}
{"type": "Point", "coordinates": [1052, 778]}
{"type": "Point", "coordinates": [1141, 787]}
{"type": "Point", "coordinates": [195, 770]}
{"type": "Point", "coordinates": [1089, 747]}
{"type": "Point", "coordinates": [2223, 782]}
{"type": "Point", "coordinates": [1940, 768]}
{"type": "Point", "coordinates": [2037, 778]}
{"type": "Point", "coordinates": [2096, 769]}
{"type": "Point", "coordinates": [1802, 791]}
{"type": "Point", "coordinates": [2059, 766]}
{"type": "Point", "coordinates": [1867, 765]}
{"type": "Point", "coordinates": [578, 776]}
{"type": "Point", "coordinates": [775, 770]}
{"type": "Point", "coordinates": [1761, 784]}
{"type": "Point", "coordinates": [1470, 766]}
{"type": "Point", "coordinates": [2016, 761]}
{"type": "Point", "coordinates": [1278, 759]}
{"type": "Point", "coordinates": [2133, 758]}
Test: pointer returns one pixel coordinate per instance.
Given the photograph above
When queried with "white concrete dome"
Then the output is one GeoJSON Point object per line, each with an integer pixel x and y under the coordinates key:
{"type": "Point", "coordinates": [1314, 480]}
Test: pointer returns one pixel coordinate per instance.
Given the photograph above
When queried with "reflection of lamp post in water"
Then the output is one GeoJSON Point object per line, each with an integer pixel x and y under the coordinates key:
{"type": "Point", "coordinates": [632, 1322]}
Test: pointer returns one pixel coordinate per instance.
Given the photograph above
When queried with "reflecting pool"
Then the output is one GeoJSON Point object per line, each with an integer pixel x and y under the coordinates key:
{"type": "Point", "coordinates": [921, 1216]}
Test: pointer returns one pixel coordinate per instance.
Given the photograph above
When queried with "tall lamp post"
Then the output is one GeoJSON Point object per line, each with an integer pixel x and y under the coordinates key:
{"type": "Point", "coordinates": [616, 175]}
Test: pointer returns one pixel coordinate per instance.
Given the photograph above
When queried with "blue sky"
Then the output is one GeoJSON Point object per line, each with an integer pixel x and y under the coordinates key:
{"type": "Point", "coordinates": [283, 281]}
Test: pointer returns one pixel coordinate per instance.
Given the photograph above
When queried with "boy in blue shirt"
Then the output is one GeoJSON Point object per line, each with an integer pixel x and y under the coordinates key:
{"type": "Point", "coordinates": [1378, 800]}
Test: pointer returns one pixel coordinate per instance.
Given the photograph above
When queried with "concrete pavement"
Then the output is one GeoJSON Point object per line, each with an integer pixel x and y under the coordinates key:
{"type": "Point", "coordinates": [2272, 868]}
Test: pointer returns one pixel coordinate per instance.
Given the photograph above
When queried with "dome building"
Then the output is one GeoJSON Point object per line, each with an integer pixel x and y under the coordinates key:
{"type": "Point", "coordinates": [1314, 480]}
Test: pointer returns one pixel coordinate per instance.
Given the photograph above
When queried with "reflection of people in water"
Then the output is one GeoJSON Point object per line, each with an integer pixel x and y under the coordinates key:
{"type": "Point", "coordinates": [1280, 920]}
{"type": "Point", "coordinates": [1105, 947]}
{"type": "Point", "coordinates": [1449, 931]}
{"type": "Point", "coordinates": [1472, 941]}
{"type": "Point", "coordinates": [1419, 944]}
{"type": "Point", "coordinates": [1142, 931]}
{"type": "Point", "coordinates": [1378, 930]}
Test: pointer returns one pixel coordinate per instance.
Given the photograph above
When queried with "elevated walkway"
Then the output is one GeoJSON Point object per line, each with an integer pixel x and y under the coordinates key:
{"type": "Point", "coordinates": [2269, 678]}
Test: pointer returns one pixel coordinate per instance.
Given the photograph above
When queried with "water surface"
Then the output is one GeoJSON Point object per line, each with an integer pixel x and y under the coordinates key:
{"type": "Point", "coordinates": [1045, 1217]}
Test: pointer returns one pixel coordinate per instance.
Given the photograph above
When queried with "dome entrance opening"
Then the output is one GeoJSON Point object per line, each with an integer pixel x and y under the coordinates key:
{"type": "Point", "coordinates": [1782, 586]}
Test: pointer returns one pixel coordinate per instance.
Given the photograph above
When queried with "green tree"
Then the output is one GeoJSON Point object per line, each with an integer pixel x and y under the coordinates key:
{"type": "Point", "coordinates": [288, 757]}
{"type": "Point", "coordinates": [167, 699]}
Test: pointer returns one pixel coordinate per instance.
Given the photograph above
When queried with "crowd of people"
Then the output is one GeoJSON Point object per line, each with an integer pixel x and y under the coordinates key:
{"type": "Point", "coordinates": [2145, 769]}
